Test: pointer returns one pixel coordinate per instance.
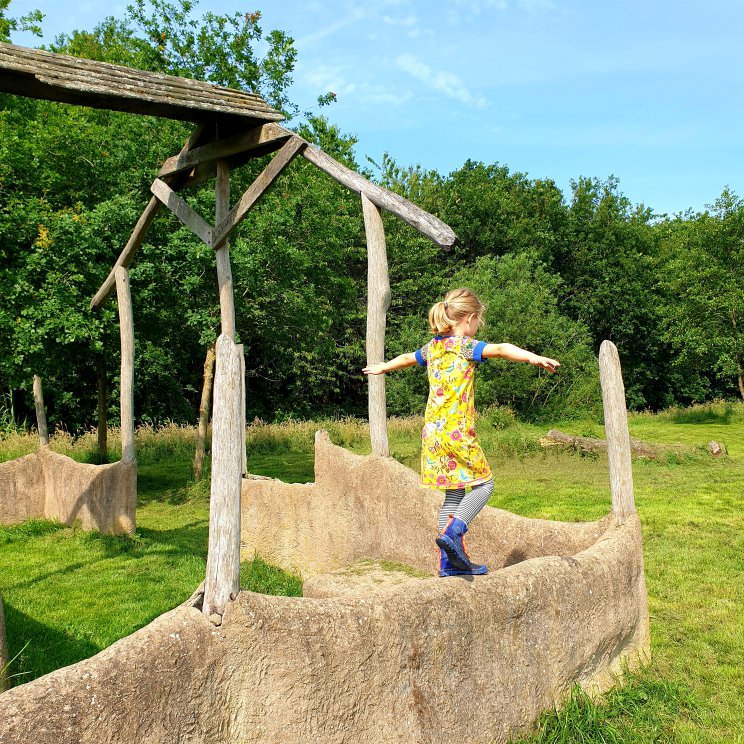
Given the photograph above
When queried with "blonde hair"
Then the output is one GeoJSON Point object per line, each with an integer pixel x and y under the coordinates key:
{"type": "Point", "coordinates": [456, 306]}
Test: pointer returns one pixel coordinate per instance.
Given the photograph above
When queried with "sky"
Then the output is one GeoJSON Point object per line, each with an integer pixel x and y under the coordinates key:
{"type": "Point", "coordinates": [649, 91]}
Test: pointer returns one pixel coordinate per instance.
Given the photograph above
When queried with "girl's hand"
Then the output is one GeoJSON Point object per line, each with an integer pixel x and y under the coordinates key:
{"type": "Point", "coordinates": [546, 363]}
{"type": "Point", "coordinates": [375, 369]}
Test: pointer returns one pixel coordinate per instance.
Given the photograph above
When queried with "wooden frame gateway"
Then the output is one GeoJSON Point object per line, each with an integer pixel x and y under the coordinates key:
{"type": "Point", "coordinates": [232, 127]}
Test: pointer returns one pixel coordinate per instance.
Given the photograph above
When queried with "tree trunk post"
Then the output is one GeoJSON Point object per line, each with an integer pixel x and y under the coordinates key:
{"type": "Point", "coordinates": [223, 560]}
{"type": "Point", "coordinates": [244, 467]}
{"type": "Point", "coordinates": [102, 409]}
{"type": "Point", "coordinates": [201, 434]}
{"type": "Point", "coordinates": [126, 330]}
{"type": "Point", "coordinates": [224, 272]}
{"type": "Point", "coordinates": [378, 302]}
{"type": "Point", "coordinates": [616, 431]}
{"type": "Point", "coordinates": [41, 422]}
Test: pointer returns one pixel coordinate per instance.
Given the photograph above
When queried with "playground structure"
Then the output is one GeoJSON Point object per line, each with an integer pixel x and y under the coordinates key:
{"type": "Point", "coordinates": [352, 658]}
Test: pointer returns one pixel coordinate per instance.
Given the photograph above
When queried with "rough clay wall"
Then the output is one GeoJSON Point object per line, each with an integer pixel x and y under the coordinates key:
{"type": "Point", "coordinates": [47, 485]}
{"type": "Point", "coordinates": [400, 663]}
{"type": "Point", "coordinates": [373, 507]}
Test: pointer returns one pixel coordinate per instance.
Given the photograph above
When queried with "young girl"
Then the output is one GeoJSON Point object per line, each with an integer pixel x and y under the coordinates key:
{"type": "Point", "coordinates": [451, 458]}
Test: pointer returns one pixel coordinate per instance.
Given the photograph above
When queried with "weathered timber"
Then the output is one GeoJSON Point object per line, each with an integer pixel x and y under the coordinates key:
{"type": "Point", "coordinates": [378, 302]}
{"type": "Point", "coordinates": [135, 241]}
{"type": "Point", "coordinates": [223, 560]}
{"type": "Point", "coordinates": [253, 139]}
{"type": "Point", "coordinates": [140, 230]}
{"type": "Point", "coordinates": [126, 330]}
{"type": "Point", "coordinates": [427, 224]}
{"type": "Point", "coordinates": [40, 74]}
{"type": "Point", "coordinates": [201, 432]}
{"type": "Point", "coordinates": [193, 220]}
{"type": "Point", "coordinates": [41, 421]}
{"type": "Point", "coordinates": [556, 438]}
{"type": "Point", "coordinates": [616, 430]}
{"type": "Point", "coordinates": [267, 176]}
{"type": "Point", "coordinates": [222, 255]}
{"type": "Point", "coordinates": [243, 442]}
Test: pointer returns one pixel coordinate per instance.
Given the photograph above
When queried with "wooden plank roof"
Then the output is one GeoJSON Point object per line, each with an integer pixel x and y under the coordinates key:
{"type": "Point", "coordinates": [58, 77]}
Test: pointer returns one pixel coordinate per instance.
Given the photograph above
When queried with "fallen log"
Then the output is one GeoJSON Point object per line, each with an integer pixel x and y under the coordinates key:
{"type": "Point", "coordinates": [638, 448]}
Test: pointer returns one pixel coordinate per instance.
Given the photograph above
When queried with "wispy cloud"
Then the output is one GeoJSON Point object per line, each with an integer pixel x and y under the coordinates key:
{"type": "Point", "coordinates": [440, 80]}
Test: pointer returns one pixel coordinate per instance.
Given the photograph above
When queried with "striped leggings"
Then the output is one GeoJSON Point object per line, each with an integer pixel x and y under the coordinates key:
{"type": "Point", "coordinates": [463, 505]}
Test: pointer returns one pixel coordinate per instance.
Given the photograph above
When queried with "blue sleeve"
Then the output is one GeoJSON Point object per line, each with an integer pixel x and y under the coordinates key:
{"type": "Point", "coordinates": [420, 360]}
{"type": "Point", "coordinates": [478, 351]}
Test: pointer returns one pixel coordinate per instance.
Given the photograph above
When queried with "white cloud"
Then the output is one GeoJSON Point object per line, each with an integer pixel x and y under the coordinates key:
{"type": "Point", "coordinates": [407, 22]}
{"type": "Point", "coordinates": [442, 81]}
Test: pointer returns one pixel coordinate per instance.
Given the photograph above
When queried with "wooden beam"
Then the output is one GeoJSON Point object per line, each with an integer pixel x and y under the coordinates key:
{"type": "Point", "coordinates": [222, 255]}
{"type": "Point", "coordinates": [41, 420]}
{"type": "Point", "coordinates": [126, 330]}
{"type": "Point", "coordinates": [427, 224]}
{"type": "Point", "coordinates": [267, 176]}
{"type": "Point", "coordinates": [182, 210]}
{"type": "Point", "coordinates": [616, 431]}
{"type": "Point", "coordinates": [223, 558]}
{"type": "Point", "coordinates": [138, 234]}
{"type": "Point", "coordinates": [378, 302]}
{"type": "Point", "coordinates": [253, 139]}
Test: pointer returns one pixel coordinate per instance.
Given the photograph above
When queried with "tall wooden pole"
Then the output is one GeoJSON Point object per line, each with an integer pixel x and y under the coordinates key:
{"type": "Point", "coordinates": [41, 422]}
{"type": "Point", "coordinates": [223, 560]}
{"type": "Point", "coordinates": [206, 395]}
{"type": "Point", "coordinates": [616, 431]}
{"type": "Point", "coordinates": [102, 412]}
{"type": "Point", "coordinates": [378, 302]}
{"type": "Point", "coordinates": [126, 330]}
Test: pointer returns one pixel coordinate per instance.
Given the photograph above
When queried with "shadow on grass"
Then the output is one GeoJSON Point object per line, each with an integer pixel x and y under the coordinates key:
{"type": "Point", "coordinates": [46, 649]}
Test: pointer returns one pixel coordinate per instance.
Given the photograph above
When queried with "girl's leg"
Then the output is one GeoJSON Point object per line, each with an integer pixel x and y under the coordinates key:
{"type": "Point", "coordinates": [472, 502]}
{"type": "Point", "coordinates": [452, 499]}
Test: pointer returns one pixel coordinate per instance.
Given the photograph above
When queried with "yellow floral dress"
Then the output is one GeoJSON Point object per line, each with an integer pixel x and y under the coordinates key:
{"type": "Point", "coordinates": [450, 454]}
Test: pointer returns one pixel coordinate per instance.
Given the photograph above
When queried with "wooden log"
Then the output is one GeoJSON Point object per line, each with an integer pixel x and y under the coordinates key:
{"type": "Point", "coordinates": [427, 224]}
{"type": "Point", "coordinates": [140, 231]}
{"type": "Point", "coordinates": [616, 431]}
{"type": "Point", "coordinates": [126, 331]}
{"type": "Point", "coordinates": [224, 271]}
{"type": "Point", "coordinates": [556, 438]}
{"type": "Point", "coordinates": [223, 560]}
{"type": "Point", "coordinates": [267, 176]}
{"type": "Point", "coordinates": [255, 138]}
{"type": "Point", "coordinates": [41, 422]}
{"type": "Point", "coordinates": [243, 444]}
{"type": "Point", "coordinates": [378, 302]}
{"type": "Point", "coordinates": [193, 220]}
{"type": "Point", "coordinates": [201, 433]}
{"type": "Point", "coordinates": [102, 409]}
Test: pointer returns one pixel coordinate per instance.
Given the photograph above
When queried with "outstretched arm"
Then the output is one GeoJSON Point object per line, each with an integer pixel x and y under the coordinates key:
{"type": "Point", "coordinates": [515, 354]}
{"type": "Point", "coordinates": [400, 362]}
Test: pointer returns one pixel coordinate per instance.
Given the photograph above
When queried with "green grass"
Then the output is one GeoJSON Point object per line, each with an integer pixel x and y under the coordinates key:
{"type": "Point", "coordinates": [69, 593]}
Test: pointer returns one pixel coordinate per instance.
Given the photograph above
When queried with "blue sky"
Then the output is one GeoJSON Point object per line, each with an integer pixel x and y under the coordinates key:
{"type": "Point", "coordinates": [651, 91]}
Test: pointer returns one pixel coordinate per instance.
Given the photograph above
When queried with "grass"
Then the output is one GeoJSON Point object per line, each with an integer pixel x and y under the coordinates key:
{"type": "Point", "coordinates": [69, 593]}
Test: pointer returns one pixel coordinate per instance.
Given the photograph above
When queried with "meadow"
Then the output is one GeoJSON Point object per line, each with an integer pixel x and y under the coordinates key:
{"type": "Point", "coordinates": [68, 594]}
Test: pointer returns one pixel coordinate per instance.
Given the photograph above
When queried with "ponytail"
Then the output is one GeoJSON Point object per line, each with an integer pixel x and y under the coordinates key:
{"type": "Point", "coordinates": [456, 305]}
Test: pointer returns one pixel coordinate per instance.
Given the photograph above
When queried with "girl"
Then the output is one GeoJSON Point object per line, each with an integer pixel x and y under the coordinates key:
{"type": "Point", "coordinates": [451, 458]}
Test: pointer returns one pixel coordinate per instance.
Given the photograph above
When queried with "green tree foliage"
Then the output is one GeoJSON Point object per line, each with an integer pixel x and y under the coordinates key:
{"type": "Point", "coordinates": [9, 25]}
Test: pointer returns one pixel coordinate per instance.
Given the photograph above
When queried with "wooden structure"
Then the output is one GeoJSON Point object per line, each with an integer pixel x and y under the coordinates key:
{"type": "Point", "coordinates": [231, 128]}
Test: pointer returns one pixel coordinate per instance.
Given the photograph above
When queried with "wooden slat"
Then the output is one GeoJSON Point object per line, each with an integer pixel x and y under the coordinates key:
{"type": "Point", "coordinates": [267, 176]}
{"type": "Point", "coordinates": [182, 210]}
{"type": "Point", "coordinates": [140, 230]}
{"type": "Point", "coordinates": [427, 224]}
{"type": "Point", "coordinates": [378, 302]}
{"type": "Point", "coordinates": [616, 431]}
{"type": "Point", "coordinates": [223, 558]}
{"type": "Point", "coordinates": [126, 331]}
{"type": "Point", "coordinates": [240, 143]}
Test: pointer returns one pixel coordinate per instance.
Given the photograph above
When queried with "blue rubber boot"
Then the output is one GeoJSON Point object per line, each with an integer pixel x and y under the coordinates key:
{"type": "Point", "coordinates": [450, 541]}
{"type": "Point", "coordinates": [447, 569]}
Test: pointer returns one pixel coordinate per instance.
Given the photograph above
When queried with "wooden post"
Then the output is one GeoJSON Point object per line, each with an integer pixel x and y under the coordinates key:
{"type": "Point", "coordinates": [378, 302]}
{"type": "Point", "coordinates": [201, 433]}
{"type": "Point", "coordinates": [126, 331]}
{"type": "Point", "coordinates": [616, 431]}
{"type": "Point", "coordinates": [223, 560]}
{"type": "Point", "coordinates": [224, 272]}
{"type": "Point", "coordinates": [41, 421]}
{"type": "Point", "coordinates": [244, 468]}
